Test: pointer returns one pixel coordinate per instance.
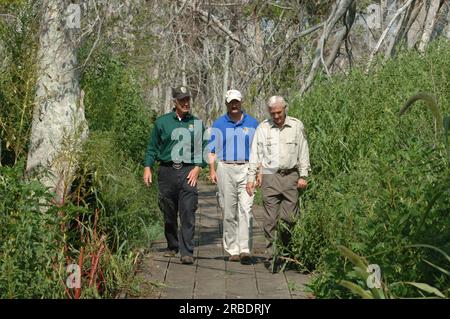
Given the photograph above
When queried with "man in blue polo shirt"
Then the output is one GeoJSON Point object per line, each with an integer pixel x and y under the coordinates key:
{"type": "Point", "coordinates": [231, 138]}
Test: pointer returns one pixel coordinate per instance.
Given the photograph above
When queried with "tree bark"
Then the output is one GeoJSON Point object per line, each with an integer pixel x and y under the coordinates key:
{"type": "Point", "coordinates": [447, 28]}
{"type": "Point", "coordinates": [416, 28]}
{"type": "Point", "coordinates": [349, 19]}
{"type": "Point", "coordinates": [226, 68]}
{"type": "Point", "coordinates": [385, 32]}
{"type": "Point", "coordinates": [339, 10]}
{"type": "Point", "coordinates": [59, 126]}
{"type": "Point", "coordinates": [396, 36]}
{"type": "Point", "coordinates": [429, 24]}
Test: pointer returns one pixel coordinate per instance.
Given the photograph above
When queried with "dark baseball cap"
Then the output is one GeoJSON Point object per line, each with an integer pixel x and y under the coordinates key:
{"type": "Point", "coordinates": [180, 92]}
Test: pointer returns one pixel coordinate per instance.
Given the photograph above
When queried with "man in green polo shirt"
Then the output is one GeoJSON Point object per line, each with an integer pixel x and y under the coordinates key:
{"type": "Point", "coordinates": [177, 143]}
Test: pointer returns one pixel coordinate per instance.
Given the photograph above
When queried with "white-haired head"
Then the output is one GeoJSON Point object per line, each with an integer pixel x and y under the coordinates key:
{"type": "Point", "coordinates": [276, 100]}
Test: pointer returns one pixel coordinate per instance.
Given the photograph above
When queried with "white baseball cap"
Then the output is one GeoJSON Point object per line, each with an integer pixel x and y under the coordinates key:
{"type": "Point", "coordinates": [233, 95]}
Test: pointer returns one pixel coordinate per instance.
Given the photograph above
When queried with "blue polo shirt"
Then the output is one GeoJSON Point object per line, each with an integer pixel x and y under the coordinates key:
{"type": "Point", "coordinates": [231, 141]}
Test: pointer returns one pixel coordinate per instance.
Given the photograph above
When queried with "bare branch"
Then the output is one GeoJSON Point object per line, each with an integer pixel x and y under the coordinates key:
{"type": "Point", "coordinates": [96, 40]}
{"type": "Point", "coordinates": [338, 12]}
{"type": "Point", "coordinates": [7, 15]}
{"type": "Point", "coordinates": [385, 32]}
{"type": "Point", "coordinates": [429, 24]}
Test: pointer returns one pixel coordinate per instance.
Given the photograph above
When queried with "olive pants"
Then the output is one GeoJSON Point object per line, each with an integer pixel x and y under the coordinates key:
{"type": "Point", "coordinates": [280, 200]}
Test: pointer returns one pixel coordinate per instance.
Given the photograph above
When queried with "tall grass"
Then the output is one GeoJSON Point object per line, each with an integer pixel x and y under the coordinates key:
{"type": "Point", "coordinates": [108, 219]}
{"type": "Point", "coordinates": [380, 182]}
{"type": "Point", "coordinates": [31, 245]}
{"type": "Point", "coordinates": [17, 80]}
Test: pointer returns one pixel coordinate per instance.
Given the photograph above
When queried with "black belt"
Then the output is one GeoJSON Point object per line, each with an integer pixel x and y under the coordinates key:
{"type": "Point", "coordinates": [284, 172]}
{"type": "Point", "coordinates": [175, 165]}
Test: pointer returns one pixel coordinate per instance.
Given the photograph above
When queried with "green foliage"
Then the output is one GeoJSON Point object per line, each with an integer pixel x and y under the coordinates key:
{"type": "Point", "coordinates": [109, 215]}
{"type": "Point", "coordinates": [112, 182]}
{"type": "Point", "coordinates": [383, 290]}
{"type": "Point", "coordinates": [110, 175]}
{"type": "Point", "coordinates": [17, 81]}
{"type": "Point", "coordinates": [380, 182]}
{"type": "Point", "coordinates": [31, 249]}
{"type": "Point", "coordinates": [114, 103]}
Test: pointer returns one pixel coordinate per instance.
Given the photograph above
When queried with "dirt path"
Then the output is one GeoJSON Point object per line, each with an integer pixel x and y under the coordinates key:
{"type": "Point", "coordinates": [212, 276]}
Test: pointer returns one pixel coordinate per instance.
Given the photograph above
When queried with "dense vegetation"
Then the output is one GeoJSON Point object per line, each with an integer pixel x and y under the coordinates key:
{"type": "Point", "coordinates": [109, 216]}
{"type": "Point", "coordinates": [380, 182]}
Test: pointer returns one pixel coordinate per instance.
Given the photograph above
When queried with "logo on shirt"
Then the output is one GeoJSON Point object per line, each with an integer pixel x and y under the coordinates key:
{"type": "Point", "coordinates": [191, 127]}
{"type": "Point", "coordinates": [245, 130]}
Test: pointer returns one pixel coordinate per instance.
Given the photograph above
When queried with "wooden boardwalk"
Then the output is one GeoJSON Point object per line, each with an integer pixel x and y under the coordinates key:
{"type": "Point", "coordinates": [212, 276]}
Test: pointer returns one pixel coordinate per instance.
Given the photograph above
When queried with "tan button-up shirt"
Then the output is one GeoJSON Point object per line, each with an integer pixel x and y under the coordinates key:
{"type": "Point", "coordinates": [279, 148]}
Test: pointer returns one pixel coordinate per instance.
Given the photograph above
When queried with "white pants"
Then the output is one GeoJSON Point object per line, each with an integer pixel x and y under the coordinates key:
{"type": "Point", "coordinates": [237, 207]}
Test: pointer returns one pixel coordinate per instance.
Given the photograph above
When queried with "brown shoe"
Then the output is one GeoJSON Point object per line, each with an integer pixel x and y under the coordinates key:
{"type": "Point", "coordinates": [246, 258]}
{"type": "Point", "coordinates": [187, 260]}
{"type": "Point", "coordinates": [170, 253]}
{"type": "Point", "coordinates": [234, 258]}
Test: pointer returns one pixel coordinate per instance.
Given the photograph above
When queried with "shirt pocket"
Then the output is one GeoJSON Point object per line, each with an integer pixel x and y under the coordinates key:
{"type": "Point", "coordinates": [292, 145]}
{"type": "Point", "coordinates": [268, 145]}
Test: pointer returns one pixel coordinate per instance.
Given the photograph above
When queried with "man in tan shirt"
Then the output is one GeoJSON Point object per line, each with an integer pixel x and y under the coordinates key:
{"type": "Point", "coordinates": [280, 151]}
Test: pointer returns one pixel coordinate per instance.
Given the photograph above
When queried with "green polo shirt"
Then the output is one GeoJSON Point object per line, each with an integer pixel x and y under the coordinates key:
{"type": "Point", "coordinates": [184, 137]}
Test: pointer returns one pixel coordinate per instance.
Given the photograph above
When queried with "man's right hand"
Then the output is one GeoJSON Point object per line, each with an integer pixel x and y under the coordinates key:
{"type": "Point", "coordinates": [250, 188]}
{"type": "Point", "coordinates": [213, 176]}
{"type": "Point", "coordinates": [258, 180]}
{"type": "Point", "coordinates": [147, 176]}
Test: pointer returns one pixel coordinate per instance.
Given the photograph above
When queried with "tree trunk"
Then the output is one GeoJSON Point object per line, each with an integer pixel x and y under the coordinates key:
{"type": "Point", "coordinates": [226, 68]}
{"type": "Point", "coordinates": [429, 24]}
{"type": "Point", "coordinates": [395, 36]}
{"type": "Point", "coordinates": [416, 28]}
{"type": "Point", "coordinates": [385, 32]}
{"type": "Point", "coordinates": [338, 12]}
{"type": "Point", "coordinates": [349, 19]}
{"type": "Point", "coordinates": [447, 28]}
{"type": "Point", "coordinates": [59, 126]}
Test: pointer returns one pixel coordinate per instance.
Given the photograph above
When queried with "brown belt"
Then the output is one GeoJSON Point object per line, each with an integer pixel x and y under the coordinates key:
{"type": "Point", "coordinates": [284, 172]}
{"type": "Point", "coordinates": [235, 162]}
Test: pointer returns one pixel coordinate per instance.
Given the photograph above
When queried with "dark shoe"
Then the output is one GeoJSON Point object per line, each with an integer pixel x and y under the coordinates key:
{"type": "Point", "coordinates": [170, 253]}
{"type": "Point", "coordinates": [273, 265]}
{"type": "Point", "coordinates": [187, 260]}
{"type": "Point", "coordinates": [234, 258]}
{"type": "Point", "coordinates": [246, 259]}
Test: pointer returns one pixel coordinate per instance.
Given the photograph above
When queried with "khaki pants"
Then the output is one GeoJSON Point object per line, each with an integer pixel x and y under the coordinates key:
{"type": "Point", "coordinates": [280, 199]}
{"type": "Point", "coordinates": [236, 205]}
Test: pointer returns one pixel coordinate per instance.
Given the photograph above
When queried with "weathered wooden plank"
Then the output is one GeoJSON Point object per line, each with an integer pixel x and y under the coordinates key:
{"type": "Point", "coordinates": [240, 281]}
{"type": "Point", "coordinates": [272, 286]}
{"type": "Point", "coordinates": [180, 280]}
{"type": "Point", "coordinates": [212, 275]}
{"type": "Point", "coordinates": [210, 282]}
{"type": "Point", "coordinates": [151, 276]}
{"type": "Point", "coordinates": [296, 282]}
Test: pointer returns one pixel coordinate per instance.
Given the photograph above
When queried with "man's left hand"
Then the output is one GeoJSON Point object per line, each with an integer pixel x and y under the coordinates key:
{"type": "Point", "coordinates": [302, 183]}
{"type": "Point", "coordinates": [193, 176]}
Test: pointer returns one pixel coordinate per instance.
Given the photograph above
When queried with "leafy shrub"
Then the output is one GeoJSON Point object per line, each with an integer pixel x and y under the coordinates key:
{"type": "Point", "coordinates": [380, 183]}
{"type": "Point", "coordinates": [31, 249]}
{"type": "Point", "coordinates": [113, 183]}
{"type": "Point", "coordinates": [114, 103]}
{"type": "Point", "coordinates": [17, 81]}
{"type": "Point", "coordinates": [109, 216]}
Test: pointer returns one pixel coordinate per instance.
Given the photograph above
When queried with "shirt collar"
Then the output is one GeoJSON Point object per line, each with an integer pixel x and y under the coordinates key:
{"type": "Point", "coordinates": [287, 122]}
{"type": "Point", "coordinates": [187, 117]}
{"type": "Point", "coordinates": [227, 117]}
